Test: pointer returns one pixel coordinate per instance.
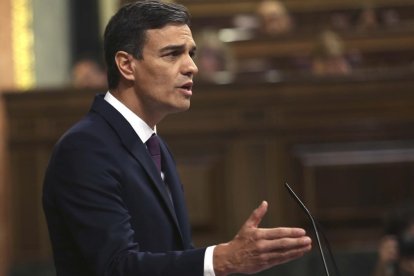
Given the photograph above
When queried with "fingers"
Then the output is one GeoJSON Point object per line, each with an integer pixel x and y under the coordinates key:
{"type": "Point", "coordinates": [283, 246]}
{"type": "Point", "coordinates": [257, 215]}
{"type": "Point", "coordinates": [271, 253]}
{"type": "Point", "coordinates": [254, 249]}
{"type": "Point", "coordinates": [249, 256]}
{"type": "Point", "coordinates": [281, 232]}
{"type": "Point", "coordinates": [275, 258]}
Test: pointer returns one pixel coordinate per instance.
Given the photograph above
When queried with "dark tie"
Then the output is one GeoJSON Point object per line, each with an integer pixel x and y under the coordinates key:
{"type": "Point", "coordinates": [153, 145]}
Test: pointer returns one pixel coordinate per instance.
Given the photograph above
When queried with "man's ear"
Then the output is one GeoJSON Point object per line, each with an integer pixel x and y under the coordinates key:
{"type": "Point", "coordinates": [124, 61]}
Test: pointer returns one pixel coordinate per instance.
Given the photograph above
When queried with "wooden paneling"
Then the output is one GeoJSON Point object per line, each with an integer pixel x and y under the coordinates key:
{"type": "Point", "coordinates": [354, 183]}
{"type": "Point", "coordinates": [374, 49]}
{"type": "Point", "coordinates": [35, 121]}
{"type": "Point", "coordinates": [4, 192]}
{"type": "Point", "coordinates": [308, 15]}
{"type": "Point", "coordinates": [373, 42]}
{"type": "Point", "coordinates": [231, 7]}
{"type": "Point", "coordinates": [273, 133]}
{"type": "Point", "coordinates": [344, 145]}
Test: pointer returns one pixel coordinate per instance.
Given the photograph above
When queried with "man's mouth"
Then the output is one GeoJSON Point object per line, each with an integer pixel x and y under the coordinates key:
{"type": "Point", "coordinates": [187, 86]}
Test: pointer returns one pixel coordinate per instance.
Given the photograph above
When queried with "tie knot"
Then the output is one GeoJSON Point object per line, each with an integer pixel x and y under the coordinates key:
{"type": "Point", "coordinates": [153, 145]}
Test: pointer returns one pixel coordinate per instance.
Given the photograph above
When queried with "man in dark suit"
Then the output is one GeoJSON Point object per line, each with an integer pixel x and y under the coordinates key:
{"type": "Point", "coordinates": [111, 208]}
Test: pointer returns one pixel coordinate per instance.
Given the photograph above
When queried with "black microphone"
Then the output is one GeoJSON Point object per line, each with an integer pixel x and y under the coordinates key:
{"type": "Point", "coordinates": [315, 228]}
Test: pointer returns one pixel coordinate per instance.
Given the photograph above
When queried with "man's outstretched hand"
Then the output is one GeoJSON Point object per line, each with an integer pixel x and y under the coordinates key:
{"type": "Point", "coordinates": [255, 249]}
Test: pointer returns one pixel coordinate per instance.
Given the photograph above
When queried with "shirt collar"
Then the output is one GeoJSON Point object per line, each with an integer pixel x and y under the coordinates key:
{"type": "Point", "coordinates": [141, 128]}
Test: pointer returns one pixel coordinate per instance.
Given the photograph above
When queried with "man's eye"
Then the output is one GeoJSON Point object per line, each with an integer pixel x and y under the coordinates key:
{"type": "Point", "coordinates": [174, 54]}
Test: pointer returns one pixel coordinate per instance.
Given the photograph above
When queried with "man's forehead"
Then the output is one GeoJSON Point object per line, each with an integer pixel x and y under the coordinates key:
{"type": "Point", "coordinates": [171, 33]}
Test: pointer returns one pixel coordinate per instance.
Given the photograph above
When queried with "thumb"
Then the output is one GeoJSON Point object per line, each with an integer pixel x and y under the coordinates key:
{"type": "Point", "coordinates": [256, 216]}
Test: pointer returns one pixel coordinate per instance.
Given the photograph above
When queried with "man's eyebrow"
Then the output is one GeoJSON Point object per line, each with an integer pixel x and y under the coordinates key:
{"type": "Point", "coordinates": [179, 47]}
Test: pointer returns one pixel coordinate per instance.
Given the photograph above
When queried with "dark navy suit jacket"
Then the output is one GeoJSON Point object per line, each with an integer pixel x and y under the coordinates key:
{"type": "Point", "coordinates": [107, 208]}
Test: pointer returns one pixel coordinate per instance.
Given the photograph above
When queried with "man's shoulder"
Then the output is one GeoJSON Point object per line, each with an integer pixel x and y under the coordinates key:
{"type": "Point", "coordinates": [89, 131]}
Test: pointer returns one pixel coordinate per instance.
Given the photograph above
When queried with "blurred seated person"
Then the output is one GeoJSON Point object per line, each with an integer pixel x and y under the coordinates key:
{"type": "Point", "coordinates": [329, 57]}
{"type": "Point", "coordinates": [341, 21]}
{"type": "Point", "coordinates": [396, 248]}
{"type": "Point", "coordinates": [368, 19]}
{"type": "Point", "coordinates": [390, 18]}
{"type": "Point", "coordinates": [214, 58]}
{"type": "Point", "coordinates": [274, 18]}
{"type": "Point", "coordinates": [88, 74]}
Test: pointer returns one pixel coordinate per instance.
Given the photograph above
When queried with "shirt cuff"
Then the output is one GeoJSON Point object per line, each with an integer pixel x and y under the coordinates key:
{"type": "Point", "coordinates": [208, 261]}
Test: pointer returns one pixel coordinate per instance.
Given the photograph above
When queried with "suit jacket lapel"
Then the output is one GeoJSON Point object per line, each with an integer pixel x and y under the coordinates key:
{"type": "Point", "coordinates": [173, 181]}
{"type": "Point", "coordinates": [136, 147]}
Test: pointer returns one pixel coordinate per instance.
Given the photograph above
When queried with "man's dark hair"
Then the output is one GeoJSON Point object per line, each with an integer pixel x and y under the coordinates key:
{"type": "Point", "coordinates": [126, 31]}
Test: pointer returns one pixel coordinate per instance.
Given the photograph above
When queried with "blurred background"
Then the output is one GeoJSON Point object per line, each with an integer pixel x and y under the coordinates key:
{"type": "Point", "coordinates": [316, 93]}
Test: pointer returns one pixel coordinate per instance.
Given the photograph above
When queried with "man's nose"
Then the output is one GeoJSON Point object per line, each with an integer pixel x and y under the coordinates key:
{"type": "Point", "coordinates": [190, 68]}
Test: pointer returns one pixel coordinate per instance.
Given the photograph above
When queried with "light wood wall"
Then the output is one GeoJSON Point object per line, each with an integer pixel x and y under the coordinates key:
{"type": "Point", "coordinates": [6, 62]}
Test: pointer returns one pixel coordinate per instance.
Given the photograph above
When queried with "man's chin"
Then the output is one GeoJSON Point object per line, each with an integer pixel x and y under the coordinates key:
{"type": "Point", "coordinates": [184, 108]}
{"type": "Point", "coordinates": [181, 108]}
